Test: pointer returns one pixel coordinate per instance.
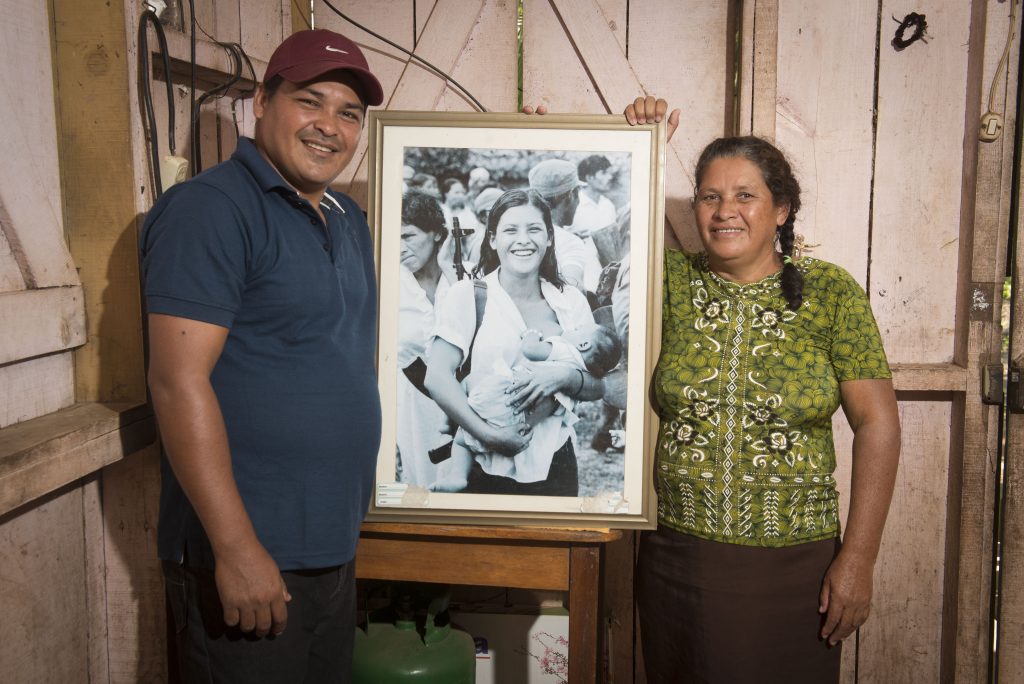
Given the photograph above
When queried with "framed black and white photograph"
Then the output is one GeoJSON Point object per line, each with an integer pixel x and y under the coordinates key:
{"type": "Point", "coordinates": [519, 262]}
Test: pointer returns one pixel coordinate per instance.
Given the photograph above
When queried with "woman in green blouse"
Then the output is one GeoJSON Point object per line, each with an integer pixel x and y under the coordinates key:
{"type": "Point", "coordinates": [745, 578]}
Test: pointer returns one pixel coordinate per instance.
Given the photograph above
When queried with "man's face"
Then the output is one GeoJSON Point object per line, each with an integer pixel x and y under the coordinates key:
{"type": "Point", "coordinates": [309, 131]}
{"type": "Point", "coordinates": [601, 181]}
{"type": "Point", "coordinates": [456, 197]}
{"type": "Point", "coordinates": [563, 212]}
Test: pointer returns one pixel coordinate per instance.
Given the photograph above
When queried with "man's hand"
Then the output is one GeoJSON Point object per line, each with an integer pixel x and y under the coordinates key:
{"type": "Point", "coordinates": [644, 110]}
{"type": "Point", "coordinates": [252, 591]}
{"type": "Point", "coordinates": [845, 597]}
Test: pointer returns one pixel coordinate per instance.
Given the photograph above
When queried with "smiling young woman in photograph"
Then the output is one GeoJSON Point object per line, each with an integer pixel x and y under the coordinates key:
{"type": "Point", "coordinates": [524, 292]}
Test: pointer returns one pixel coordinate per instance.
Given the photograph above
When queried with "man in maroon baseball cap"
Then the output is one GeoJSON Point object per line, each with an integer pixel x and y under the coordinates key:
{"type": "Point", "coordinates": [261, 305]}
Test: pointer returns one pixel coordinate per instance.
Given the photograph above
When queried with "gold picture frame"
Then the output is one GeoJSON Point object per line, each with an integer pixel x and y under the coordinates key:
{"type": "Point", "coordinates": [507, 146]}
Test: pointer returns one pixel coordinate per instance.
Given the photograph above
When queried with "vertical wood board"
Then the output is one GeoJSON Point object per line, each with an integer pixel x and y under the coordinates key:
{"type": "Point", "coordinates": [685, 62]}
{"type": "Point", "coordinates": [1011, 624]}
{"type": "Point", "coordinates": [764, 68]}
{"type": "Point", "coordinates": [95, 578]}
{"type": "Point", "coordinates": [136, 619]}
{"type": "Point", "coordinates": [263, 26]}
{"type": "Point", "coordinates": [44, 633]}
{"type": "Point", "coordinates": [92, 66]}
{"type": "Point", "coordinates": [918, 173]}
{"type": "Point", "coordinates": [824, 123]}
{"type": "Point", "coordinates": [487, 66]}
{"type": "Point", "coordinates": [900, 642]}
{"type": "Point", "coordinates": [553, 73]}
{"type": "Point", "coordinates": [745, 106]}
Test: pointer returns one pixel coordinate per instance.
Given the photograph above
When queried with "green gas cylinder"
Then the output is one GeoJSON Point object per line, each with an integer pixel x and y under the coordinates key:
{"type": "Point", "coordinates": [396, 648]}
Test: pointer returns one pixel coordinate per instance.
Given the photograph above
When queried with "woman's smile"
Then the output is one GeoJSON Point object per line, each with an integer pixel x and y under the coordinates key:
{"type": "Point", "coordinates": [521, 239]}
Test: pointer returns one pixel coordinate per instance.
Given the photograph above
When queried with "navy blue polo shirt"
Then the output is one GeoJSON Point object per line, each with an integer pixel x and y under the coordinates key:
{"type": "Point", "coordinates": [237, 247]}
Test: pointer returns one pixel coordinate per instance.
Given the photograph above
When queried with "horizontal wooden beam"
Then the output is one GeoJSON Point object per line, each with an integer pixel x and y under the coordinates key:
{"type": "Point", "coordinates": [214, 64]}
{"type": "Point", "coordinates": [43, 321]}
{"type": "Point", "coordinates": [929, 377]}
{"type": "Point", "coordinates": [46, 453]}
{"type": "Point", "coordinates": [523, 566]}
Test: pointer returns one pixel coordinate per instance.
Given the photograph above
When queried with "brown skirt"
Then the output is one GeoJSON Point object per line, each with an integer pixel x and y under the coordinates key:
{"type": "Point", "coordinates": [729, 614]}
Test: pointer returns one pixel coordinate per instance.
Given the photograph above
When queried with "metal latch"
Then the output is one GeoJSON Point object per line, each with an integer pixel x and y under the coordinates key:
{"type": "Point", "coordinates": [992, 384]}
{"type": "Point", "coordinates": [1015, 390]}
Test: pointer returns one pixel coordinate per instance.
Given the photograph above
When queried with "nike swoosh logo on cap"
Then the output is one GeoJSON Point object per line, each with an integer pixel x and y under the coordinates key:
{"type": "Point", "coordinates": [334, 49]}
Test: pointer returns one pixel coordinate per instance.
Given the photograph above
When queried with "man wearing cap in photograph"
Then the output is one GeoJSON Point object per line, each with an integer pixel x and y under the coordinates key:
{"type": "Point", "coordinates": [557, 182]}
{"type": "Point", "coordinates": [261, 298]}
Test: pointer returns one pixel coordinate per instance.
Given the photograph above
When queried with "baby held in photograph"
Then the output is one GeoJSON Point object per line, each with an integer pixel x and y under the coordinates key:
{"type": "Point", "coordinates": [593, 348]}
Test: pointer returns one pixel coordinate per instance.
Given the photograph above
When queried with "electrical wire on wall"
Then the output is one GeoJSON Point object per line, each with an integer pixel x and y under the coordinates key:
{"type": "Point", "coordinates": [419, 59]}
{"type": "Point", "coordinates": [992, 121]}
{"type": "Point", "coordinates": [240, 61]}
{"type": "Point", "coordinates": [149, 16]}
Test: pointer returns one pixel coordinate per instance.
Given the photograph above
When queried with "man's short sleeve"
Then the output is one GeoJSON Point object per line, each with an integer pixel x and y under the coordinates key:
{"type": "Point", "coordinates": [195, 249]}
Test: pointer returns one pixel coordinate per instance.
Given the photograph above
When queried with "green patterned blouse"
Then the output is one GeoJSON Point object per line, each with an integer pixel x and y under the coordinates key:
{"type": "Point", "coordinates": [747, 390]}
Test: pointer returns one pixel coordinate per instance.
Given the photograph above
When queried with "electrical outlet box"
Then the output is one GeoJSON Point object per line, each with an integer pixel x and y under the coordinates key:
{"type": "Point", "coordinates": [991, 127]}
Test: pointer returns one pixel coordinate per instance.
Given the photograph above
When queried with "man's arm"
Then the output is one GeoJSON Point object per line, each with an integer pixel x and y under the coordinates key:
{"type": "Point", "coordinates": [183, 353]}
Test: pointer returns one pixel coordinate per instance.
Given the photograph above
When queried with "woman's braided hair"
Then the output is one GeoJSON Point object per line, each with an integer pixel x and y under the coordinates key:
{"type": "Point", "coordinates": [785, 189]}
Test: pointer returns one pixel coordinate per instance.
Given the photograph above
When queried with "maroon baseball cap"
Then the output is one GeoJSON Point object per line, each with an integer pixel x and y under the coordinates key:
{"type": "Point", "coordinates": [305, 55]}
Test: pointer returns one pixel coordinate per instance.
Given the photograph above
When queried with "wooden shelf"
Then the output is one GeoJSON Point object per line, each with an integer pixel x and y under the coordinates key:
{"type": "Point", "coordinates": [46, 453]}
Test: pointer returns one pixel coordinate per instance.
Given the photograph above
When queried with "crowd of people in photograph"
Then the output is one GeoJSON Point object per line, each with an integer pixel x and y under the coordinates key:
{"type": "Point", "coordinates": [526, 286]}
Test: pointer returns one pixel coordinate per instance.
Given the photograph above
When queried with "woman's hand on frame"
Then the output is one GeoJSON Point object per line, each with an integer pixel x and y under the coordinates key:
{"type": "Point", "coordinates": [644, 110]}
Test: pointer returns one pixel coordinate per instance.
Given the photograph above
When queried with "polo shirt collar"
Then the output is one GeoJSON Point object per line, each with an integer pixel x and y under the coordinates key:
{"type": "Point", "coordinates": [266, 175]}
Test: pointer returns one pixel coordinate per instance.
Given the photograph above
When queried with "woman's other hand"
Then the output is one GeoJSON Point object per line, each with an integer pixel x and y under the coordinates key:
{"type": "Point", "coordinates": [644, 110]}
{"type": "Point", "coordinates": [845, 598]}
{"type": "Point", "coordinates": [539, 109]}
{"type": "Point", "coordinates": [542, 380]}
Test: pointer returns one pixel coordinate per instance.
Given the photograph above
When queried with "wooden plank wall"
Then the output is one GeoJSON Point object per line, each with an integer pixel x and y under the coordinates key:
{"type": "Point", "coordinates": [43, 545]}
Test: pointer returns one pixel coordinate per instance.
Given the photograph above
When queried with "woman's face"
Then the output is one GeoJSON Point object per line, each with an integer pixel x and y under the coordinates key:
{"type": "Point", "coordinates": [520, 239]}
{"type": "Point", "coordinates": [418, 247]}
{"type": "Point", "coordinates": [736, 214]}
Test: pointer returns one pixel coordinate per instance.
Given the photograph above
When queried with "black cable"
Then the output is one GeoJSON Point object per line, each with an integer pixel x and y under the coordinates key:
{"type": "Point", "coordinates": [150, 17]}
{"type": "Point", "coordinates": [233, 50]}
{"type": "Point", "coordinates": [422, 61]}
{"type": "Point", "coordinates": [240, 59]}
{"type": "Point", "coordinates": [192, 88]}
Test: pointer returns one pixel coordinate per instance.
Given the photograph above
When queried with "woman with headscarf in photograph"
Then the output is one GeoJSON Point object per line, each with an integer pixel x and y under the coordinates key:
{"type": "Point", "coordinates": [526, 300]}
{"type": "Point", "coordinates": [424, 279]}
